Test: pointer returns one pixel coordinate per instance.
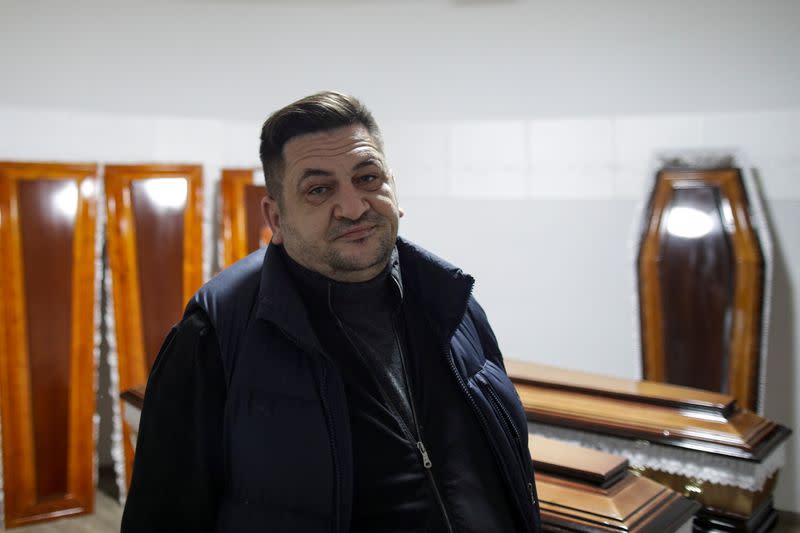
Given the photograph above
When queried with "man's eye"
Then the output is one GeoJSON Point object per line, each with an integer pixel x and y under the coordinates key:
{"type": "Point", "coordinates": [369, 181]}
{"type": "Point", "coordinates": [317, 191]}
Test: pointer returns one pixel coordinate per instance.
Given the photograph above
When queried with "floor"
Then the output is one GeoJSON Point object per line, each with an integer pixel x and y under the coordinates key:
{"type": "Point", "coordinates": [109, 512]}
{"type": "Point", "coordinates": [106, 518]}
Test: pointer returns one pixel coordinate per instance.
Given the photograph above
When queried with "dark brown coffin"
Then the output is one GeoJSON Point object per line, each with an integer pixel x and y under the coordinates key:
{"type": "Point", "coordinates": [243, 228]}
{"type": "Point", "coordinates": [702, 281]}
{"type": "Point", "coordinates": [47, 311]}
{"type": "Point", "coordinates": [693, 431]}
{"type": "Point", "coordinates": [155, 254]}
{"type": "Point", "coordinates": [585, 490]}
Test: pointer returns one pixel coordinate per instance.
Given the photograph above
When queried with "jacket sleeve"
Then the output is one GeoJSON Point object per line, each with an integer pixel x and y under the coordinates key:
{"type": "Point", "coordinates": [178, 467]}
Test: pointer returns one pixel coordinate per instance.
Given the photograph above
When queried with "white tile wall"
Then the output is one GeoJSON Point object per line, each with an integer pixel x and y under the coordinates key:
{"type": "Point", "coordinates": [571, 157]}
{"type": "Point", "coordinates": [489, 159]}
{"type": "Point", "coordinates": [418, 156]}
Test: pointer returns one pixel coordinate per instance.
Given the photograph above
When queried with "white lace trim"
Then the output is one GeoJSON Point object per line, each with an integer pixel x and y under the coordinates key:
{"type": "Point", "coordinates": [117, 446]}
{"type": "Point", "coordinates": [747, 475]}
{"type": "Point", "coordinates": [99, 272]}
{"type": "Point", "coordinates": [209, 191]}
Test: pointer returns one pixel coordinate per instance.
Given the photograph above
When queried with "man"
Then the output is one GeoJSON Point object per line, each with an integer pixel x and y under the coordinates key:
{"type": "Point", "coordinates": [342, 379]}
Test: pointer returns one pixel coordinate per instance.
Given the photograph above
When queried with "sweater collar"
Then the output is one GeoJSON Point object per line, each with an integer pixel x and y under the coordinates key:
{"type": "Point", "coordinates": [441, 289]}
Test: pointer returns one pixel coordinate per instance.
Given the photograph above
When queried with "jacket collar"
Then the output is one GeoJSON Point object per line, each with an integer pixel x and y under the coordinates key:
{"type": "Point", "coordinates": [442, 289]}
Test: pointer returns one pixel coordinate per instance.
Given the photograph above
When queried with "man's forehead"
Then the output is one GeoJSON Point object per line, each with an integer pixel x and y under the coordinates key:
{"type": "Point", "coordinates": [338, 145]}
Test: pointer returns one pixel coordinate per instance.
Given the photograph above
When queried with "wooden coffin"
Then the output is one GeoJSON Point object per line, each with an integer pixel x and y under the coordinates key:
{"type": "Point", "coordinates": [133, 400]}
{"type": "Point", "coordinates": [579, 489]}
{"type": "Point", "coordinates": [702, 281]}
{"type": "Point", "coordinates": [47, 313]}
{"type": "Point", "coordinates": [243, 228]}
{"type": "Point", "coordinates": [700, 443]}
{"type": "Point", "coordinates": [155, 258]}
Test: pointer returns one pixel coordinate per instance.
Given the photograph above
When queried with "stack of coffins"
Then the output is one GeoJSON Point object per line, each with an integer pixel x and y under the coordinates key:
{"type": "Point", "coordinates": [585, 490]}
{"type": "Point", "coordinates": [699, 443]}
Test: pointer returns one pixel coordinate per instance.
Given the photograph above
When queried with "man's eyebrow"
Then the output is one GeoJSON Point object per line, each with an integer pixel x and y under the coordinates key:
{"type": "Point", "coordinates": [313, 172]}
{"type": "Point", "coordinates": [372, 161]}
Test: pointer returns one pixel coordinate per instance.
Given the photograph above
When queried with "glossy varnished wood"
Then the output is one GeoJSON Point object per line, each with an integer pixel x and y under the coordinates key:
{"type": "Point", "coordinates": [243, 226]}
{"type": "Point", "coordinates": [701, 294]}
{"type": "Point", "coordinates": [573, 462]}
{"type": "Point", "coordinates": [587, 490]}
{"type": "Point", "coordinates": [47, 241]}
{"type": "Point", "coordinates": [565, 398]}
{"type": "Point", "coordinates": [155, 255]}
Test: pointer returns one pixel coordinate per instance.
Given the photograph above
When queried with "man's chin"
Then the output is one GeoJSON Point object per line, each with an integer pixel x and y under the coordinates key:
{"type": "Point", "coordinates": [373, 257]}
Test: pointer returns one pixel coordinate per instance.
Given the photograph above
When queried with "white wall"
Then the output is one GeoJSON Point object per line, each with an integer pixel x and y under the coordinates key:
{"type": "Point", "coordinates": [521, 134]}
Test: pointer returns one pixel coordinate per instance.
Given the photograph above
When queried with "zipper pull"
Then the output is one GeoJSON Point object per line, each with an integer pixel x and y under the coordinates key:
{"type": "Point", "coordinates": [426, 460]}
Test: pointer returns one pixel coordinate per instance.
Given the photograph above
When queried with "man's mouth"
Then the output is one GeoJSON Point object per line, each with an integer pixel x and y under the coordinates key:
{"type": "Point", "coordinates": [357, 233]}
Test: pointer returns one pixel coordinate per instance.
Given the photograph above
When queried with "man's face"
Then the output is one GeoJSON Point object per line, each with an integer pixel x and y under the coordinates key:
{"type": "Point", "coordinates": [339, 213]}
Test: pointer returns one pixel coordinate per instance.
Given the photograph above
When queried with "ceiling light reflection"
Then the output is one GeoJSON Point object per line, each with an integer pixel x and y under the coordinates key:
{"type": "Point", "coordinates": [688, 222]}
{"type": "Point", "coordinates": [65, 201]}
{"type": "Point", "coordinates": [166, 193]}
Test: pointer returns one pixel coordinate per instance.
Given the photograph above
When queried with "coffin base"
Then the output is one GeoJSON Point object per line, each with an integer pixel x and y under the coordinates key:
{"type": "Point", "coordinates": [732, 500]}
{"type": "Point", "coordinates": [710, 520]}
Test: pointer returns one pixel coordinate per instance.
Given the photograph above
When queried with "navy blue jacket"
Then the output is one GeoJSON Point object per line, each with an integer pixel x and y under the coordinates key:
{"type": "Point", "coordinates": [285, 413]}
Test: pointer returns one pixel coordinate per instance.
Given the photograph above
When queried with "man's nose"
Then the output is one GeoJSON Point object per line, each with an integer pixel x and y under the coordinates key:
{"type": "Point", "coordinates": [350, 204]}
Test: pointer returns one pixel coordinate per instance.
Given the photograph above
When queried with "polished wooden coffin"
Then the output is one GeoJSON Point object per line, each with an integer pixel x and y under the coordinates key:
{"type": "Point", "coordinates": [243, 228]}
{"type": "Point", "coordinates": [701, 274]}
{"type": "Point", "coordinates": [586, 490]}
{"type": "Point", "coordinates": [579, 489]}
{"type": "Point", "coordinates": [47, 390]}
{"type": "Point", "coordinates": [700, 443]}
{"type": "Point", "coordinates": [155, 258]}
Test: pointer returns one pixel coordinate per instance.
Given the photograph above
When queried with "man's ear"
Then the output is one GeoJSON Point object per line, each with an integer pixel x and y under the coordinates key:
{"type": "Point", "coordinates": [272, 216]}
{"type": "Point", "coordinates": [400, 210]}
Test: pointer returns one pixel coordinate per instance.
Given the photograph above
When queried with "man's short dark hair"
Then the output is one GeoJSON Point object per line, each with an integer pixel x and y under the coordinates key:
{"type": "Point", "coordinates": [319, 112]}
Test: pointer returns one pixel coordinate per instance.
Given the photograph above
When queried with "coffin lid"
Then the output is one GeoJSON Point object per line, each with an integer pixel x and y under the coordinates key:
{"type": "Point", "coordinates": [585, 490]}
{"type": "Point", "coordinates": [655, 412]}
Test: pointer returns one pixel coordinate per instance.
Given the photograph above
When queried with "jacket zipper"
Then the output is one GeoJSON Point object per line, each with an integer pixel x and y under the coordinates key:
{"type": "Point", "coordinates": [426, 461]}
{"type": "Point", "coordinates": [423, 452]}
{"type": "Point", "coordinates": [485, 423]}
{"type": "Point", "coordinates": [335, 454]}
